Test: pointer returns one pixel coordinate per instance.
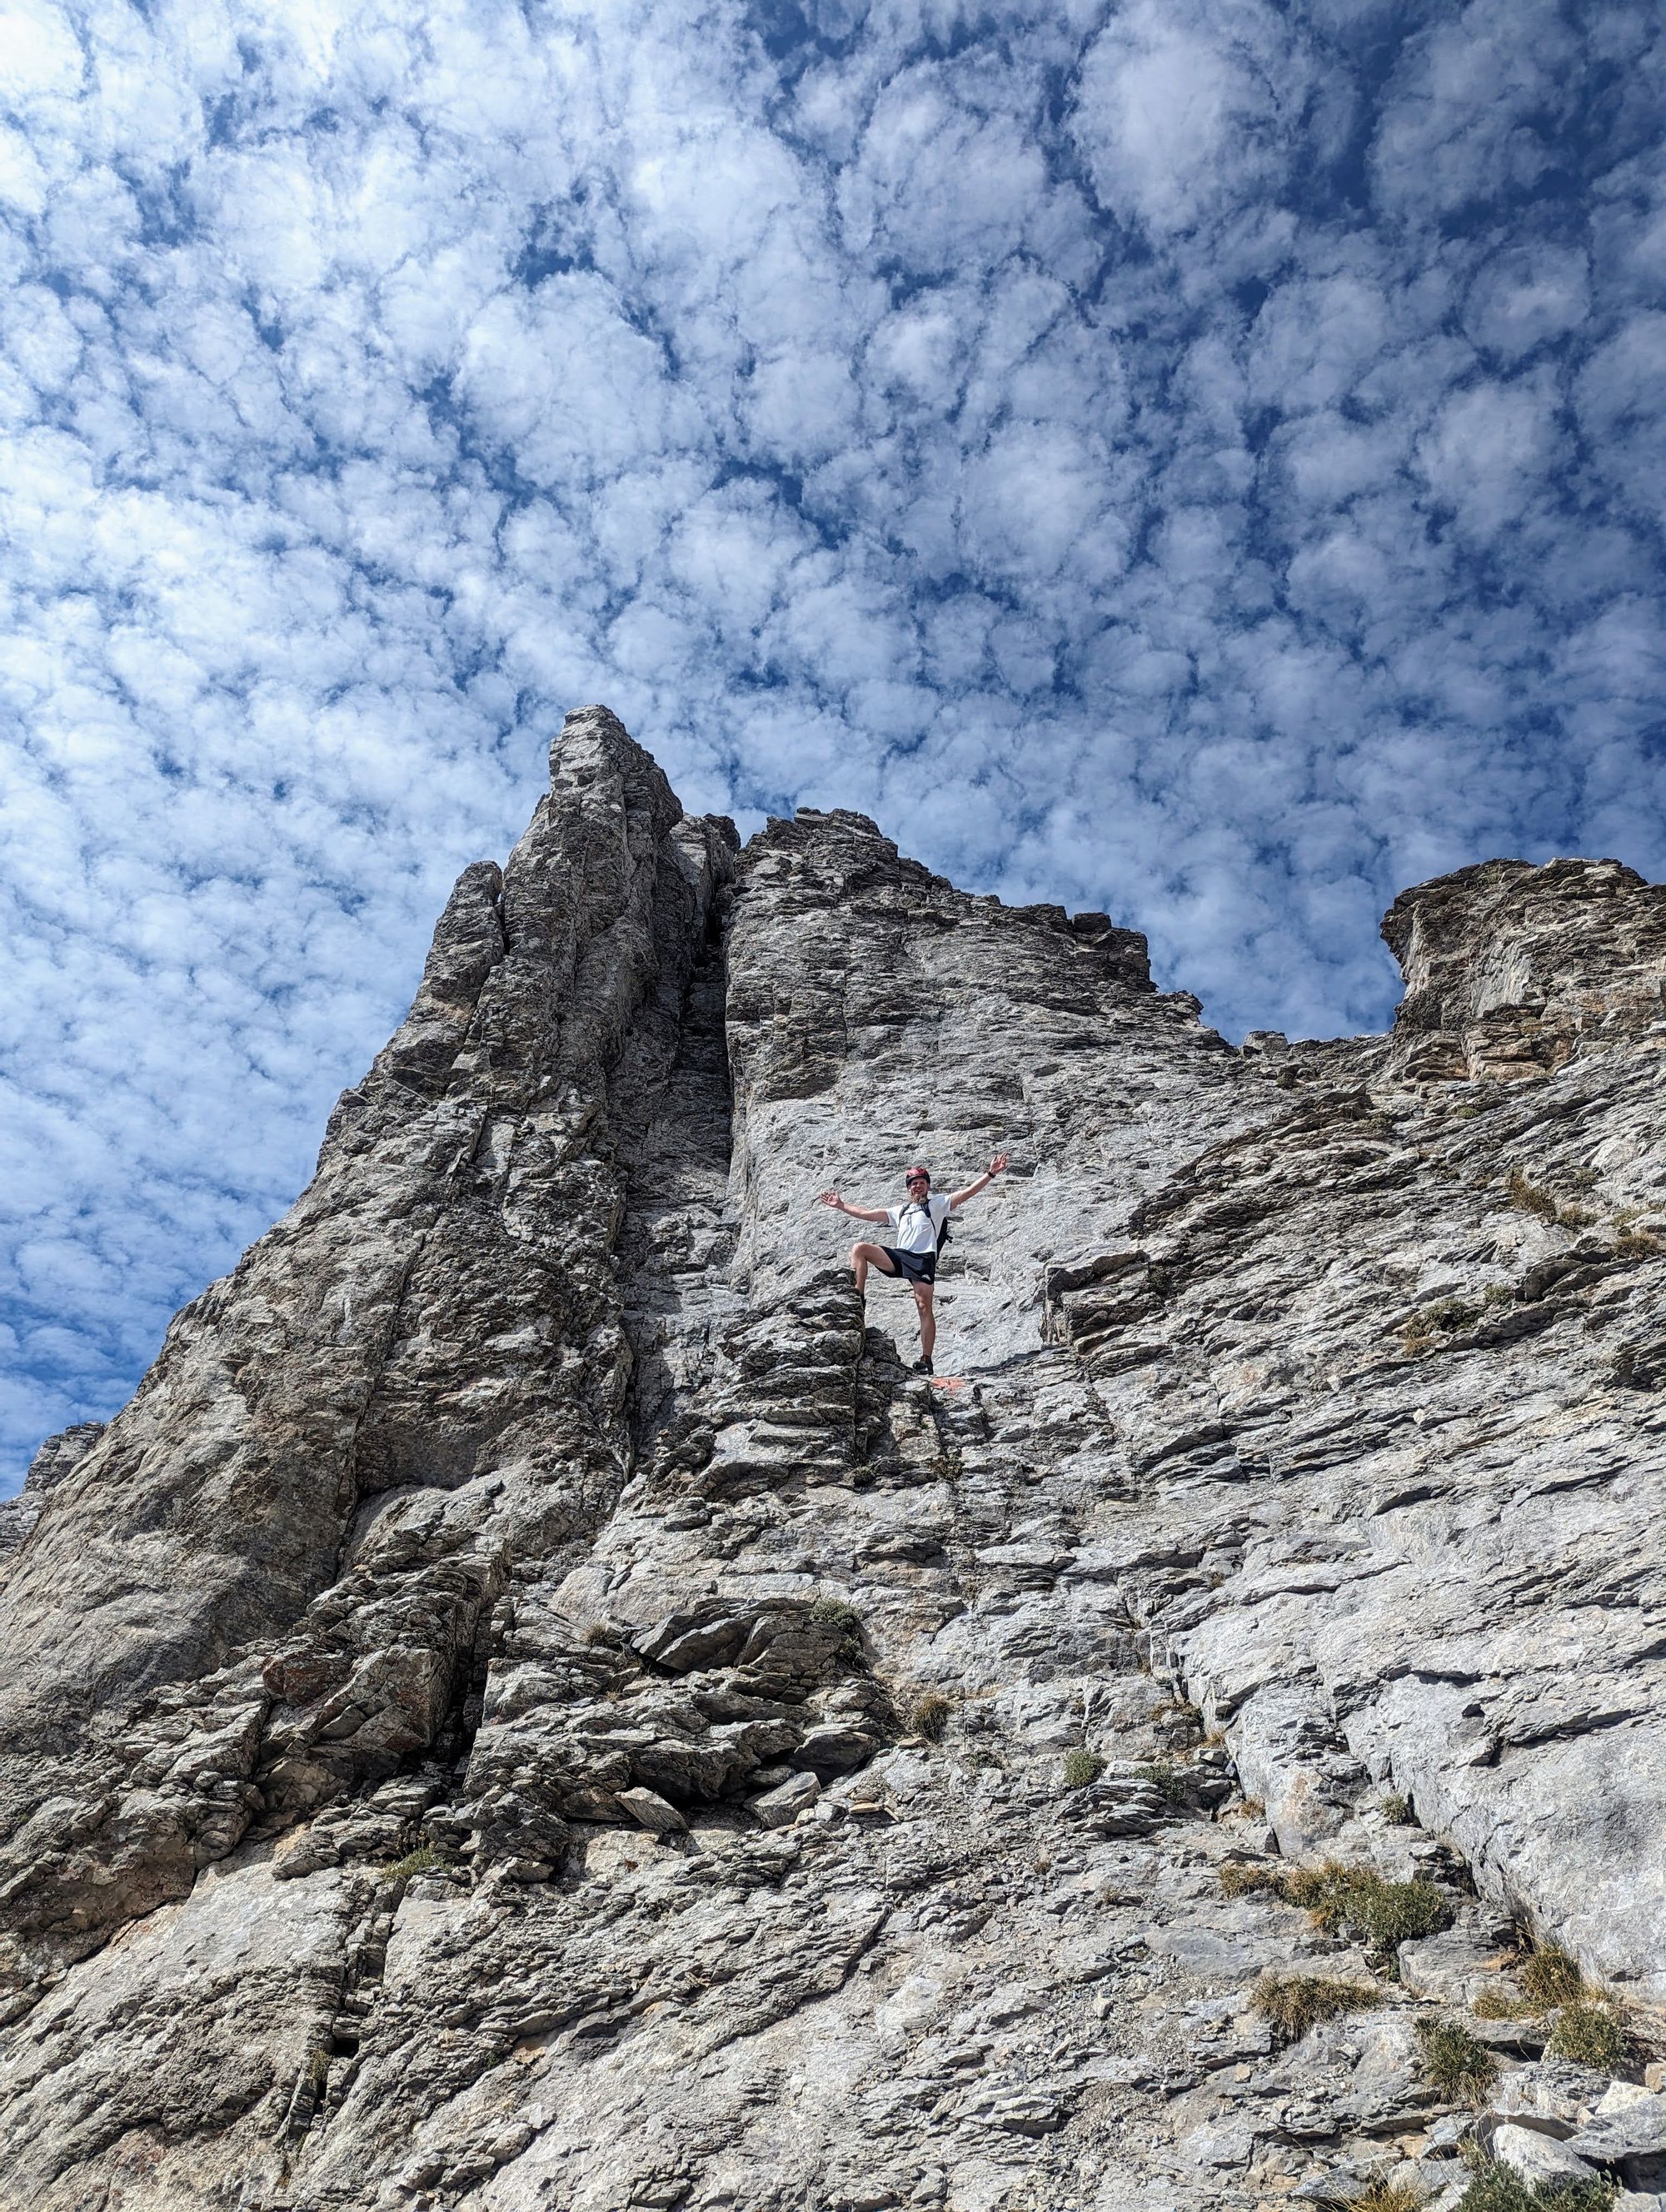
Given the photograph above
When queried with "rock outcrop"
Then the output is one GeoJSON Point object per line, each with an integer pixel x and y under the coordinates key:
{"type": "Point", "coordinates": [534, 1704]}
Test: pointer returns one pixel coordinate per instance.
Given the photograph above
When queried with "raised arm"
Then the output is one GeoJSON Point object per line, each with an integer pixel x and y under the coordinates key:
{"type": "Point", "coordinates": [856, 1213]}
{"type": "Point", "coordinates": [960, 1197]}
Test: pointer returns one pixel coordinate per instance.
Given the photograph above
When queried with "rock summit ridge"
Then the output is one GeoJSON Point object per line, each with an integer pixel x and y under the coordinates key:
{"type": "Point", "coordinates": [533, 1706]}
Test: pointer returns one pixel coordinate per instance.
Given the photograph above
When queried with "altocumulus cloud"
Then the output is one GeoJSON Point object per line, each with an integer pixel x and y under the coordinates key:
{"type": "Point", "coordinates": [1202, 458]}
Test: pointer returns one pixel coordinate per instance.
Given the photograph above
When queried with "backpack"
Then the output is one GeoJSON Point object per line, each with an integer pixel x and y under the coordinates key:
{"type": "Point", "coordinates": [943, 1232]}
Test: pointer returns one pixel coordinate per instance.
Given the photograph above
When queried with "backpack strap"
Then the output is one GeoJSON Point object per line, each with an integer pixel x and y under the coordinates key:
{"type": "Point", "coordinates": [939, 1228]}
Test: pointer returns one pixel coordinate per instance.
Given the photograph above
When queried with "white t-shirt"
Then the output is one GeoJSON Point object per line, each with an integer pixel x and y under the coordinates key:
{"type": "Point", "coordinates": [917, 1230]}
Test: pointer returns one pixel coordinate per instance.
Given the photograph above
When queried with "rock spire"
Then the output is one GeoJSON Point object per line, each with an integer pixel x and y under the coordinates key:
{"type": "Point", "coordinates": [532, 1705]}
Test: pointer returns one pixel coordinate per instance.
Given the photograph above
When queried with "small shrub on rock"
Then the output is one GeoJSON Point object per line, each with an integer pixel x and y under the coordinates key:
{"type": "Point", "coordinates": [1445, 1318]}
{"type": "Point", "coordinates": [1395, 1912]}
{"type": "Point", "coordinates": [1386, 1913]}
{"type": "Point", "coordinates": [932, 1715]}
{"type": "Point", "coordinates": [1453, 2061]}
{"type": "Point", "coordinates": [1397, 1811]}
{"type": "Point", "coordinates": [1499, 2188]}
{"type": "Point", "coordinates": [1293, 2004]}
{"type": "Point", "coordinates": [1080, 1768]}
{"type": "Point", "coordinates": [1451, 1314]}
{"type": "Point", "coordinates": [424, 1860]}
{"type": "Point", "coordinates": [1591, 2035]}
{"type": "Point", "coordinates": [837, 1612]}
{"type": "Point", "coordinates": [1166, 1779]}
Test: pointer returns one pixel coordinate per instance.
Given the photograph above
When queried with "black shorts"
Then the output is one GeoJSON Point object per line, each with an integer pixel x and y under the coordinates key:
{"type": "Point", "coordinates": [913, 1267]}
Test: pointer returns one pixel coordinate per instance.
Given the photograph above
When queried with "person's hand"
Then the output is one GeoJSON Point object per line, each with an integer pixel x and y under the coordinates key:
{"type": "Point", "coordinates": [831, 1198]}
{"type": "Point", "coordinates": [997, 1163]}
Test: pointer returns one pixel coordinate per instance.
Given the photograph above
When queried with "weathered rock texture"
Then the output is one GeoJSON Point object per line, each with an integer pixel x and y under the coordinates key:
{"type": "Point", "coordinates": [532, 1705]}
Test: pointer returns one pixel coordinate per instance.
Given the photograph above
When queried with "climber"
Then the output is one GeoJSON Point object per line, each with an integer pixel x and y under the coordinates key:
{"type": "Point", "coordinates": [920, 1234]}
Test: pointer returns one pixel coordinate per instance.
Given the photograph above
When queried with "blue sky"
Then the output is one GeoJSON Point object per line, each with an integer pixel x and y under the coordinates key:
{"type": "Point", "coordinates": [1198, 458]}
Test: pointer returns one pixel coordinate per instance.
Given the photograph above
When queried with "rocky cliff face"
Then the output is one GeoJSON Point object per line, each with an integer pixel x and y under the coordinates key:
{"type": "Point", "coordinates": [533, 1706]}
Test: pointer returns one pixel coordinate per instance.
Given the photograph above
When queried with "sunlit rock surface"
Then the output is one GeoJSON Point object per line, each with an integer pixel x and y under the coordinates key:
{"type": "Point", "coordinates": [533, 1706]}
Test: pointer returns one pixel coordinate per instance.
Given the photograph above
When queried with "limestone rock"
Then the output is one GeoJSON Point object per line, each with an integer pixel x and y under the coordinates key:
{"type": "Point", "coordinates": [780, 1807]}
{"type": "Point", "coordinates": [1538, 2157]}
{"type": "Point", "coordinates": [1627, 2137]}
{"type": "Point", "coordinates": [651, 1812]}
{"type": "Point", "coordinates": [534, 1705]}
{"type": "Point", "coordinates": [58, 1456]}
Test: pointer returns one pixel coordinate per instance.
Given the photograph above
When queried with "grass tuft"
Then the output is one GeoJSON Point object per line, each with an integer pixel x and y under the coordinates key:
{"type": "Point", "coordinates": [1179, 1708]}
{"type": "Point", "coordinates": [1501, 2004]}
{"type": "Point", "coordinates": [1453, 2061]}
{"type": "Point", "coordinates": [1293, 2004]}
{"type": "Point", "coordinates": [1382, 2195]}
{"type": "Point", "coordinates": [932, 1715]}
{"type": "Point", "coordinates": [1397, 1811]}
{"type": "Point", "coordinates": [1242, 1877]}
{"type": "Point", "coordinates": [1551, 1977]}
{"type": "Point", "coordinates": [1081, 1768]}
{"type": "Point", "coordinates": [1635, 1244]}
{"type": "Point", "coordinates": [1530, 1197]}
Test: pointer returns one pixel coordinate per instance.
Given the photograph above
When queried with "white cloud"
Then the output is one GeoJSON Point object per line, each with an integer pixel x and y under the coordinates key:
{"type": "Point", "coordinates": [1621, 408]}
{"type": "Point", "coordinates": [38, 53]}
{"type": "Point", "coordinates": [1183, 112]}
{"type": "Point", "coordinates": [1487, 453]}
{"type": "Point", "coordinates": [1527, 295]}
{"type": "Point", "coordinates": [1474, 110]}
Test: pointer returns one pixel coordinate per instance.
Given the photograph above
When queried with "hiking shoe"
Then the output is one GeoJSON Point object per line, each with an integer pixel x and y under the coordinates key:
{"type": "Point", "coordinates": [922, 1366]}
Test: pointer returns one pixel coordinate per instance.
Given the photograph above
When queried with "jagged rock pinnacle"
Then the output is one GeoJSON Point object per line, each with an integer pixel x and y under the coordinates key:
{"type": "Point", "coordinates": [533, 1704]}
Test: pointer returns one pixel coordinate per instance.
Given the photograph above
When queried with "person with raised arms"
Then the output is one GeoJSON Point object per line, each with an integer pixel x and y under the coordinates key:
{"type": "Point", "coordinates": [921, 1227]}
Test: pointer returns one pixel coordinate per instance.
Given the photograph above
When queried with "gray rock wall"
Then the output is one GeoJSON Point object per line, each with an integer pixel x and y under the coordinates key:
{"type": "Point", "coordinates": [533, 1705]}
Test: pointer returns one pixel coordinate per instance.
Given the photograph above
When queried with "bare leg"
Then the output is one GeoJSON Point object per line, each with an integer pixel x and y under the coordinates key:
{"type": "Point", "coordinates": [864, 1256]}
{"type": "Point", "coordinates": [922, 1299]}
